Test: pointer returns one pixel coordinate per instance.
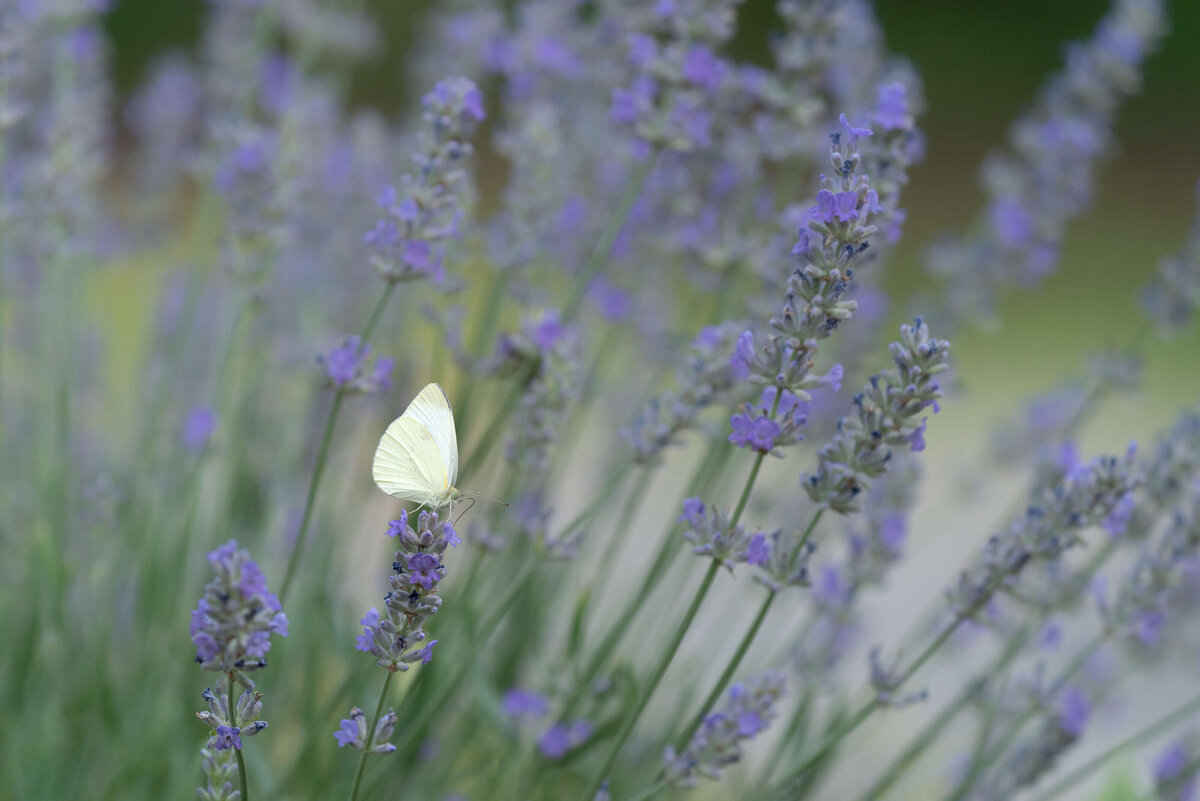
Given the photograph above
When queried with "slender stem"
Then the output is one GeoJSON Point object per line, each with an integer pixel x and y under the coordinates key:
{"type": "Point", "coordinates": [479, 639]}
{"type": "Point", "coordinates": [491, 314]}
{"type": "Point", "coordinates": [843, 730]}
{"type": "Point", "coordinates": [651, 683]}
{"type": "Point", "coordinates": [481, 450]}
{"type": "Point", "coordinates": [314, 483]}
{"type": "Point", "coordinates": [377, 312]}
{"type": "Point", "coordinates": [982, 761]}
{"type": "Point", "coordinates": [635, 602]}
{"type": "Point", "coordinates": [1146, 734]}
{"type": "Point", "coordinates": [744, 646]}
{"type": "Point", "coordinates": [599, 254]}
{"type": "Point", "coordinates": [311, 499]}
{"type": "Point", "coordinates": [362, 759]}
{"type": "Point", "coordinates": [231, 706]}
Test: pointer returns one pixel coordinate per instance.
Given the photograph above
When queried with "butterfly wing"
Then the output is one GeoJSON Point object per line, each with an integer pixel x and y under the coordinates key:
{"type": "Point", "coordinates": [408, 463]}
{"type": "Point", "coordinates": [432, 408]}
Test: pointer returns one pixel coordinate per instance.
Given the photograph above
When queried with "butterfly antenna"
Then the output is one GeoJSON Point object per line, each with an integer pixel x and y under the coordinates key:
{"type": "Point", "coordinates": [486, 498]}
{"type": "Point", "coordinates": [464, 511]}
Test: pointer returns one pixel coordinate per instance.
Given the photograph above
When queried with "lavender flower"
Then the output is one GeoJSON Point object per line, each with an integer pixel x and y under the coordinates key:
{"type": "Point", "coordinates": [549, 352]}
{"type": "Point", "coordinates": [718, 743]}
{"type": "Point", "coordinates": [225, 734]}
{"type": "Point", "coordinates": [887, 412]}
{"type": "Point", "coordinates": [232, 625]}
{"type": "Point", "coordinates": [198, 427]}
{"type": "Point", "coordinates": [526, 703]}
{"type": "Point", "coordinates": [352, 732]}
{"type": "Point", "coordinates": [1061, 723]}
{"type": "Point", "coordinates": [561, 738]}
{"type": "Point", "coordinates": [1085, 497]}
{"type": "Point", "coordinates": [1175, 770]}
{"type": "Point", "coordinates": [833, 237]}
{"type": "Point", "coordinates": [711, 534]}
{"type": "Point", "coordinates": [423, 211]}
{"type": "Point", "coordinates": [396, 637]}
{"type": "Point", "coordinates": [220, 774]}
{"type": "Point", "coordinates": [677, 75]}
{"type": "Point", "coordinates": [347, 368]}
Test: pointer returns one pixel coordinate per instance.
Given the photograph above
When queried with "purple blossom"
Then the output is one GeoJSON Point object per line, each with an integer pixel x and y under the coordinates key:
{"type": "Point", "coordinates": [426, 653]}
{"type": "Point", "coordinates": [702, 67]}
{"type": "Point", "coordinates": [233, 621]}
{"type": "Point", "coordinates": [853, 134]}
{"type": "Point", "coordinates": [561, 738]}
{"type": "Point", "coordinates": [755, 432]}
{"type": "Point", "coordinates": [759, 551]}
{"type": "Point", "coordinates": [1118, 519]}
{"type": "Point", "coordinates": [226, 737]}
{"type": "Point", "coordinates": [1012, 222]}
{"type": "Point", "coordinates": [1073, 711]}
{"type": "Point", "coordinates": [526, 703]}
{"type": "Point", "coordinates": [398, 526]}
{"type": "Point", "coordinates": [198, 427]}
{"type": "Point", "coordinates": [370, 622]}
{"type": "Point", "coordinates": [348, 731]}
{"type": "Point", "coordinates": [346, 368]}
{"type": "Point", "coordinates": [891, 107]}
{"type": "Point", "coordinates": [423, 570]}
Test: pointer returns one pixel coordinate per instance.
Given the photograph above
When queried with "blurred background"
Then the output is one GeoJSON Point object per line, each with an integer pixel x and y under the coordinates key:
{"type": "Point", "coordinates": [981, 63]}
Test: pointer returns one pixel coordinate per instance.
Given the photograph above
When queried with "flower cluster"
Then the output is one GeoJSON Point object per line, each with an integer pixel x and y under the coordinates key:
{"type": "Point", "coordinates": [677, 73]}
{"type": "Point", "coordinates": [703, 377]}
{"type": "Point", "coordinates": [1061, 723]}
{"type": "Point", "coordinates": [220, 774]}
{"type": "Point", "coordinates": [348, 370]}
{"type": "Point", "coordinates": [551, 350]}
{"type": "Point", "coordinates": [228, 729]}
{"type": "Point", "coordinates": [887, 412]}
{"type": "Point", "coordinates": [353, 732]}
{"type": "Point", "coordinates": [424, 211]}
{"type": "Point", "coordinates": [1175, 770]}
{"type": "Point", "coordinates": [234, 620]}
{"type": "Point", "coordinates": [781, 560]}
{"type": "Point", "coordinates": [1161, 589]}
{"type": "Point", "coordinates": [1088, 495]}
{"type": "Point", "coordinates": [1045, 180]}
{"type": "Point", "coordinates": [557, 740]}
{"type": "Point", "coordinates": [772, 424]}
{"type": "Point", "coordinates": [833, 236]}
{"type": "Point", "coordinates": [711, 535]}
{"type": "Point", "coordinates": [749, 709]}
{"type": "Point", "coordinates": [396, 638]}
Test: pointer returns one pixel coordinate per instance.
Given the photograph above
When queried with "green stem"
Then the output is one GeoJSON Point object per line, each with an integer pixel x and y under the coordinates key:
{"type": "Point", "coordinates": [314, 483]}
{"type": "Point", "coordinates": [982, 761]}
{"type": "Point", "coordinates": [491, 314]}
{"type": "Point", "coordinates": [651, 683]}
{"type": "Point", "coordinates": [377, 312]}
{"type": "Point", "coordinates": [362, 759]}
{"type": "Point", "coordinates": [231, 706]}
{"type": "Point", "coordinates": [479, 639]}
{"type": "Point", "coordinates": [1156, 728]}
{"type": "Point", "coordinates": [636, 601]}
{"type": "Point", "coordinates": [481, 450]}
{"type": "Point", "coordinates": [599, 255]}
{"type": "Point", "coordinates": [744, 645]}
{"type": "Point", "coordinates": [843, 730]}
{"type": "Point", "coordinates": [311, 498]}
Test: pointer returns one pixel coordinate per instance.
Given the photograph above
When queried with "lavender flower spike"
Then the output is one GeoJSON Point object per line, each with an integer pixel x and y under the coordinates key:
{"type": "Point", "coordinates": [749, 710]}
{"type": "Point", "coordinates": [422, 212]}
{"type": "Point", "coordinates": [888, 415]}
{"type": "Point", "coordinates": [233, 623]}
{"type": "Point", "coordinates": [395, 637]}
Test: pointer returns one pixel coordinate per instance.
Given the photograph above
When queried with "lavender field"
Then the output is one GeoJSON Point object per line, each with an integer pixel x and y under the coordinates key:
{"type": "Point", "coordinates": [770, 437]}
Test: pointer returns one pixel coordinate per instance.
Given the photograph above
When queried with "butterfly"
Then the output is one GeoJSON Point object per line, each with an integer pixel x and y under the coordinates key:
{"type": "Point", "coordinates": [417, 457]}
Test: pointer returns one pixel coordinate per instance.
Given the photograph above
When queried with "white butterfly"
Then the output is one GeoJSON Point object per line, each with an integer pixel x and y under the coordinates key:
{"type": "Point", "coordinates": [417, 457]}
